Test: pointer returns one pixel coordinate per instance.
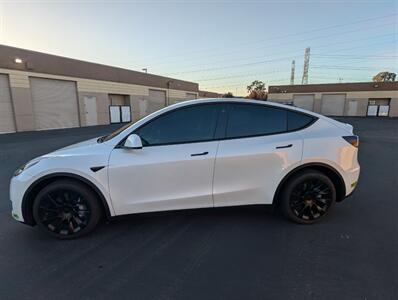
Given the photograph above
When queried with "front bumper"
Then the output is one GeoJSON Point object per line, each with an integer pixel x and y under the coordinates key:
{"type": "Point", "coordinates": [18, 186]}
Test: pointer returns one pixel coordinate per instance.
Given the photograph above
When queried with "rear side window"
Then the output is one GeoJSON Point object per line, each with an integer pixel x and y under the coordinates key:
{"type": "Point", "coordinates": [191, 124]}
{"type": "Point", "coordinates": [246, 120]}
{"type": "Point", "coordinates": [297, 121]}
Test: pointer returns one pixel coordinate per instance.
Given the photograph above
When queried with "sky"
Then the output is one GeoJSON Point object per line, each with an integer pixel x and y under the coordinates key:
{"type": "Point", "coordinates": [223, 44]}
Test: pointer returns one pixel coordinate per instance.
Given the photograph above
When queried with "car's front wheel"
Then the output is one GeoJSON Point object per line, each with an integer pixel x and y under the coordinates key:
{"type": "Point", "coordinates": [66, 209]}
{"type": "Point", "coordinates": [307, 197]}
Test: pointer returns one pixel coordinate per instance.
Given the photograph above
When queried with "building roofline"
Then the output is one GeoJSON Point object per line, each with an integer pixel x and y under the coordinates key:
{"type": "Point", "coordinates": [39, 62]}
{"type": "Point", "coordinates": [208, 94]}
{"type": "Point", "coordinates": [334, 87]}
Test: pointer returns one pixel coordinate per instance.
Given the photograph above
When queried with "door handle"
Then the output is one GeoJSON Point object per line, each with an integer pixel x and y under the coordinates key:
{"type": "Point", "coordinates": [285, 146]}
{"type": "Point", "coordinates": [199, 154]}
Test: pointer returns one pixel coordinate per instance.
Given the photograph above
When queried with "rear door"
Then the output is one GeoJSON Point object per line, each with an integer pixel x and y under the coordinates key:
{"type": "Point", "coordinates": [257, 150]}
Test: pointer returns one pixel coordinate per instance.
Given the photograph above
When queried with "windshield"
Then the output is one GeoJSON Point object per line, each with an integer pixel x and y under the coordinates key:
{"type": "Point", "coordinates": [113, 134]}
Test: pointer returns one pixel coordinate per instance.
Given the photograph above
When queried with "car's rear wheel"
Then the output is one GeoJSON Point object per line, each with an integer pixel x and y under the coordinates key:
{"type": "Point", "coordinates": [307, 197]}
{"type": "Point", "coordinates": [66, 209]}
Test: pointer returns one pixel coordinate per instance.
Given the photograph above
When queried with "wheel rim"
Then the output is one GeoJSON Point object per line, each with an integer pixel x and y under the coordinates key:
{"type": "Point", "coordinates": [64, 212]}
{"type": "Point", "coordinates": [311, 199]}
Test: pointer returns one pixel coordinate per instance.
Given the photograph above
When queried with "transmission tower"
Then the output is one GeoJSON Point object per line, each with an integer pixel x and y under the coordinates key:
{"type": "Point", "coordinates": [306, 65]}
{"type": "Point", "coordinates": [292, 72]}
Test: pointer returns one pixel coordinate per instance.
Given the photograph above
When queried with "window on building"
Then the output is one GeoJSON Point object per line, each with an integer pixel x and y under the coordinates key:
{"type": "Point", "coordinates": [378, 107]}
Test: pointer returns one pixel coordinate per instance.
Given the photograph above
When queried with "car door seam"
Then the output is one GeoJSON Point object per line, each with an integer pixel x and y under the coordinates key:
{"type": "Point", "coordinates": [108, 170]}
{"type": "Point", "coordinates": [214, 172]}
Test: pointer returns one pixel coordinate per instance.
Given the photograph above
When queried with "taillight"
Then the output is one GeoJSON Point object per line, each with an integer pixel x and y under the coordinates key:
{"type": "Point", "coordinates": [352, 139]}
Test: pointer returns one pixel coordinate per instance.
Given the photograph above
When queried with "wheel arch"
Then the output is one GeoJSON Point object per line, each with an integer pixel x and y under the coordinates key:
{"type": "Point", "coordinates": [326, 169]}
{"type": "Point", "coordinates": [35, 187]}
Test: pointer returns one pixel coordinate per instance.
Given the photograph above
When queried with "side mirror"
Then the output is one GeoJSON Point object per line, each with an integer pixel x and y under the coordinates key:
{"type": "Point", "coordinates": [133, 142]}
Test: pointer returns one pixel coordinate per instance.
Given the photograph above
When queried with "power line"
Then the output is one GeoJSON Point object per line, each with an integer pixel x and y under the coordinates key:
{"type": "Point", "coordinates": [242, 84]}
{"type": "Point", "coordinates": [352, 68]}
{"type": "Point", "coordinates": [367, 46]}
{"type": "Point", "coordinates": [264, 61]}
{"type": "Point", "coordinates": [314, 74]}
{"type": "Point", "coordinates": [339, 56]}
{"type": "Point", "coordinates": [321, 46]}
{"type": "Point", "coordinates": [272, 46]}
{"type": "Point", "coordinates": [356, 61]}
{"type": "Point", "coordinates": [282, 36]}
{"type": "Point", "coordinates": [314, 77]}
{"type": "Point", "coordinates": [274, 72]}
{"type": "Point", "coordinates": [323, 36]}
{"type": "Point", "coordinates": [240, 75]}
{"type": "Point", "coordinates": [238, 65]}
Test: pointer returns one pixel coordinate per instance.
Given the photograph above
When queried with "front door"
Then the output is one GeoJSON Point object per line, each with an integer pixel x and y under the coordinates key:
{"type": "Point", "coordinates": [174, 169]}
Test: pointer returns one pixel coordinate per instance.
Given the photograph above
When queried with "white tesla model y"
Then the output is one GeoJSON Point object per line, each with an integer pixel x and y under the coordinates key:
{"type": "Point", "coordinates": [195, 154]}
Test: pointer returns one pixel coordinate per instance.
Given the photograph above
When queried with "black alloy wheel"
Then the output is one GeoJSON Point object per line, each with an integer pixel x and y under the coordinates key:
{"type": "Point", "coordinates": [311, 199]}
{"type": "Point", "coordinates": [308, 197]}
{"type": "Point", "coordinates": [66, 209]}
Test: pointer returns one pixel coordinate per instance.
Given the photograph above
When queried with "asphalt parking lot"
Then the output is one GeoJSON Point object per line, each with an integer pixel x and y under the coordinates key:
{"type": "Point", "coordinates": [227, 253]}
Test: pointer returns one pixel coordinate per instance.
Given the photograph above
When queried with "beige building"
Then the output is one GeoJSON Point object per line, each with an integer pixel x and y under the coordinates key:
{"type": "Point", "coordinates": [39, 91]}
{"type": "Point", "coordinates": [341, 99]}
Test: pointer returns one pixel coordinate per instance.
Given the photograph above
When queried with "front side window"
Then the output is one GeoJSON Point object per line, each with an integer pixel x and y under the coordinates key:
{"type": "Point", "coordinates": [246, 120]}
{"type": "Point", "coordinates": [191, 124]}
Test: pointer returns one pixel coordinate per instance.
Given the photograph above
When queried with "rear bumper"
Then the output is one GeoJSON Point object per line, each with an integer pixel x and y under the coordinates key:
{"type": "Point", "coordinates": [351, 182]}
{"type": "Point", "coordinates": [348, 195]}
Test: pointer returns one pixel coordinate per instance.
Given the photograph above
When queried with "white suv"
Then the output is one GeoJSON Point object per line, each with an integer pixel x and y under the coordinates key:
{"type": "Point", "coordinates": [195, 154]}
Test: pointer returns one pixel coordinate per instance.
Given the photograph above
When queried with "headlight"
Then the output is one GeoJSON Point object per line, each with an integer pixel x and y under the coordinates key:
{"type": "Point", "coordinates": [27, 166]}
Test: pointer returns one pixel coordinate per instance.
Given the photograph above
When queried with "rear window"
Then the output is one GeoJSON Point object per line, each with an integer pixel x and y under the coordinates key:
{"type": "Point", "coordinates": [246, 120]}
{"type": "Point", "coordinates": [297, 121]}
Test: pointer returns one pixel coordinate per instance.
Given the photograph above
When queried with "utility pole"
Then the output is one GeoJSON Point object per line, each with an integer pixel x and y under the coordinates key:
{"type": "Point", "coordinates": [306, 65]}
{"type": "Point", "coordinates": [292, 72]}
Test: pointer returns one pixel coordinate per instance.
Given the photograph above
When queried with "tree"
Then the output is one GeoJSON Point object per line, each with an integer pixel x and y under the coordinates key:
{"type": "Point", "coordinates": [384, 76]}
{"type": "Point", "coordinates": [227, 95]}
{"type": "Point", "coordinates": [256, 90]}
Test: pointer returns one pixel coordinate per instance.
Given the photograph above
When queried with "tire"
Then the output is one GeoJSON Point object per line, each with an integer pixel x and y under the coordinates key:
{"type": "Point", "coordinates": [307, 197]}
{"type": "Point", "coordinates": [66, 209]}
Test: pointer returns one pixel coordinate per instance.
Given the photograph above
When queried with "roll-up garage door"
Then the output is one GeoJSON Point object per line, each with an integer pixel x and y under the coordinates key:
{"type": "Point", "coordinates": [304, 101]}
{"type": "Point", "coordinates": [54, 103]}
{"type": "Point", "coordinates": [157, 100]}
{"type": "Point", "coordinates": [6, 112]}
{"type": "Point", "coordinates": [333, 104]}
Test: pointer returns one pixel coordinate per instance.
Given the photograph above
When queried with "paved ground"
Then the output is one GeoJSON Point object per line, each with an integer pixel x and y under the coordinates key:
{"type": "Point", "coordinates": [229, 253]}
